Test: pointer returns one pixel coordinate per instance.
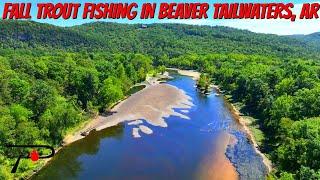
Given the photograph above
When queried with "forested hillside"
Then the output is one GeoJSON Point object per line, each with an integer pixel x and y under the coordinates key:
{"type": "Point", "coordinates": [313, 38]}
{"type": "Point", "coordinates": [54, 78]}
{"type": "Point", "coordinates": [157, 39]}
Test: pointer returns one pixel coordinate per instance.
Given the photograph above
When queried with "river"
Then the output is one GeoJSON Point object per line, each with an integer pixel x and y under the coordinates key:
{"type": "Point", "coordinates": [209, 145]}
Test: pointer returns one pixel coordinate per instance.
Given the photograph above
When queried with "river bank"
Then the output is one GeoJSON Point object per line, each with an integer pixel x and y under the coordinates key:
{"type": "Point", "coordinates": [217, 165]}
{"type": "Point", "coordinates": [209, 146]}
{"type": "Point", "coordinates": [74, 134]}
{"type": "Point", "coordinates": [153, 103]}
{"type": "Point", "coordinates": [191, 73]}
{"type": "Point", "coordinates": [245, 123]}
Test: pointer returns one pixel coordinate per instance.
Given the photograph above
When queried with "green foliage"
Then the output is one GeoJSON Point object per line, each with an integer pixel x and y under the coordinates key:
{"type": "Point", "coordinates": [52, 78]}
{"type": "Point", "coordinates": [286, 176]}
{"type": "Point", "coordinates": [281, 107]}
{"type": "Point", "coordinates": [41, 70]}
{"type": "Point", "coordinates": [84, 84]}
{"type": "Point", "coordinates": [19, 89]}
{"type": "Point", "coordinates": [301, 148]}
{"type": "Point", "coordinates": [286, 86]}
{"type": "Point", "coordinates": [7, 128]}
{"type": "Point", "coordinates": [306, 173]}
{"type": "Point", "coordinates": [111, 91]}
{"type": "Point", "coordinates": [5, 172]}
{"type": "Point", "coordinates": [204, 82]}
{"type": "Point", "coordinates": [42, 96]}
{"type": "Point", "coordinates": [58, 118]}
{"type": "Point", "coordinates": [158, 40]}
{"type": "Point", "coordinates": [161, 69]}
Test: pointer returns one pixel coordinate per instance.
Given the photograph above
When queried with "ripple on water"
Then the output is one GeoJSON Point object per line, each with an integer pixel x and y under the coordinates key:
{"type": "Point", "coordinates": [243, 156]}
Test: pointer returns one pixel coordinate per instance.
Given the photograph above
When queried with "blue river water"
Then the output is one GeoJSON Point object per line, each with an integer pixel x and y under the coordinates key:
{"type": "Point", "coordinates": [175, 152]}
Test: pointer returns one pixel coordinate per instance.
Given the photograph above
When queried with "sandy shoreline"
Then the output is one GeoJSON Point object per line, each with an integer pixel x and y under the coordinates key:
{"type": "Point", "coordinates": [194, 74]}
{"type": "Point", "coordinates": [142, 105]}
{"type": "Point", "coordinates": [152, 104]}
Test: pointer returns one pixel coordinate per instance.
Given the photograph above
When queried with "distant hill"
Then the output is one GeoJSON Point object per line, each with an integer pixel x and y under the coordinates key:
{"type": "Point", "coordinates": [313, 38]}
{"type": "Point", "coordinates": [155, 39]}
{"type": "Point", "coordinates": [29, 34]}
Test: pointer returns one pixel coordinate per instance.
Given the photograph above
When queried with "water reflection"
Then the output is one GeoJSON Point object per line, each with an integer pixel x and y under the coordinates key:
{"type": "Point", "coordinates": [68, 156]}
{"type": "Point", "coordinates": [186, 149]}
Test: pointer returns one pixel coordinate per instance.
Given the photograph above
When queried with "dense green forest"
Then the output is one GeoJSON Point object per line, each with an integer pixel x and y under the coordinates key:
{"type": "Point", "coordinates": [53, 78]}
{"type": "Point", "coordinates": [42, 97]}
{"type": "Point", "coordinates": [156, 40]}
{"type": "Point", "coordinates": [310, 38]}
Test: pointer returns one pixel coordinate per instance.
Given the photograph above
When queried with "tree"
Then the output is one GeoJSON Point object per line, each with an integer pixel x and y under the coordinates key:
{"type": "Point", "coordinates": [140, 61]}
{"type": "Point", "coordinates": [111, 91]}
{"type": "Point", "coordinates": [20, 113]}
{"type": "Point", "coordinates": [307, 173]}
{"type": "Point", "coordinates": [26, 133]}
{"type": "Point", "coordinates": [204, 82]}
{"type": "Point", "coordinates": [301, 147]}
{"type": "Point", "coordinates": [57, 118]}
{"type": "Point", "coordinates": [307, 103]}
{"type": "Point", "coordinates": [132, 73]}
{"type": "Point", "coordinates": [281, 107]}
{"type": "Point", "coordinates": [41, 69]}
{"type": "Point", "coordinates": [84, 84]}
{"type": "Point", "coordinates": [19, 89]}
{"type": "Point", "coordinates": [5, 173]}
{"type": "Point", "coordinates": [286, 86]}
{"type": "Point", "coordinates": [162, 69]}
{"type": "Point", "coordinates": [5, 76]}
{"type": "Point", "coordinates": [258, 94]}
{"type": "Point", "coordinates": [121, 75]}
{"type": "Point", "coordinates": [7, 128]}
{"type": "Point", "coordinates": [142, 74]}
{"type": "Point", "coordinates": [41, 97]}
{"type": "Point", "coordinates": [286, 176]}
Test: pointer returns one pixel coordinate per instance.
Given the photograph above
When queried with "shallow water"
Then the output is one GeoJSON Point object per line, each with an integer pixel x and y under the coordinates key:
{"type": "Point", "coordinates": [135, 89]}
{"type": "Point", "coordinates": [186, 149]}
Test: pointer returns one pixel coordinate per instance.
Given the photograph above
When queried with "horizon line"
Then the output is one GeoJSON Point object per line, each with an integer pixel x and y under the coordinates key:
{"type": "Point", "coordinates": [150, 23]}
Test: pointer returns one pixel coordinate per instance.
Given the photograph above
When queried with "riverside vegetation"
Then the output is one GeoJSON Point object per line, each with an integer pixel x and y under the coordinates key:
{"type": "Point", "coordinates": [54, 78]}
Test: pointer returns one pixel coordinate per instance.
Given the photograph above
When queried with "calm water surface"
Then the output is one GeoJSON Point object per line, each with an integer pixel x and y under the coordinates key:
{"type": "Point", "coordinates": [175, 152]}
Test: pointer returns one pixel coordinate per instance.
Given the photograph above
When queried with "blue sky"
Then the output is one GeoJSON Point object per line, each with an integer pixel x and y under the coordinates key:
{"type": "Point", "coordinates": [281, 27]}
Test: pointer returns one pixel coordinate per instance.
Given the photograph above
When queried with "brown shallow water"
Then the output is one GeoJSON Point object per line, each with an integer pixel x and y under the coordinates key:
{"type": "Point", "coordinates": [217, 165]}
